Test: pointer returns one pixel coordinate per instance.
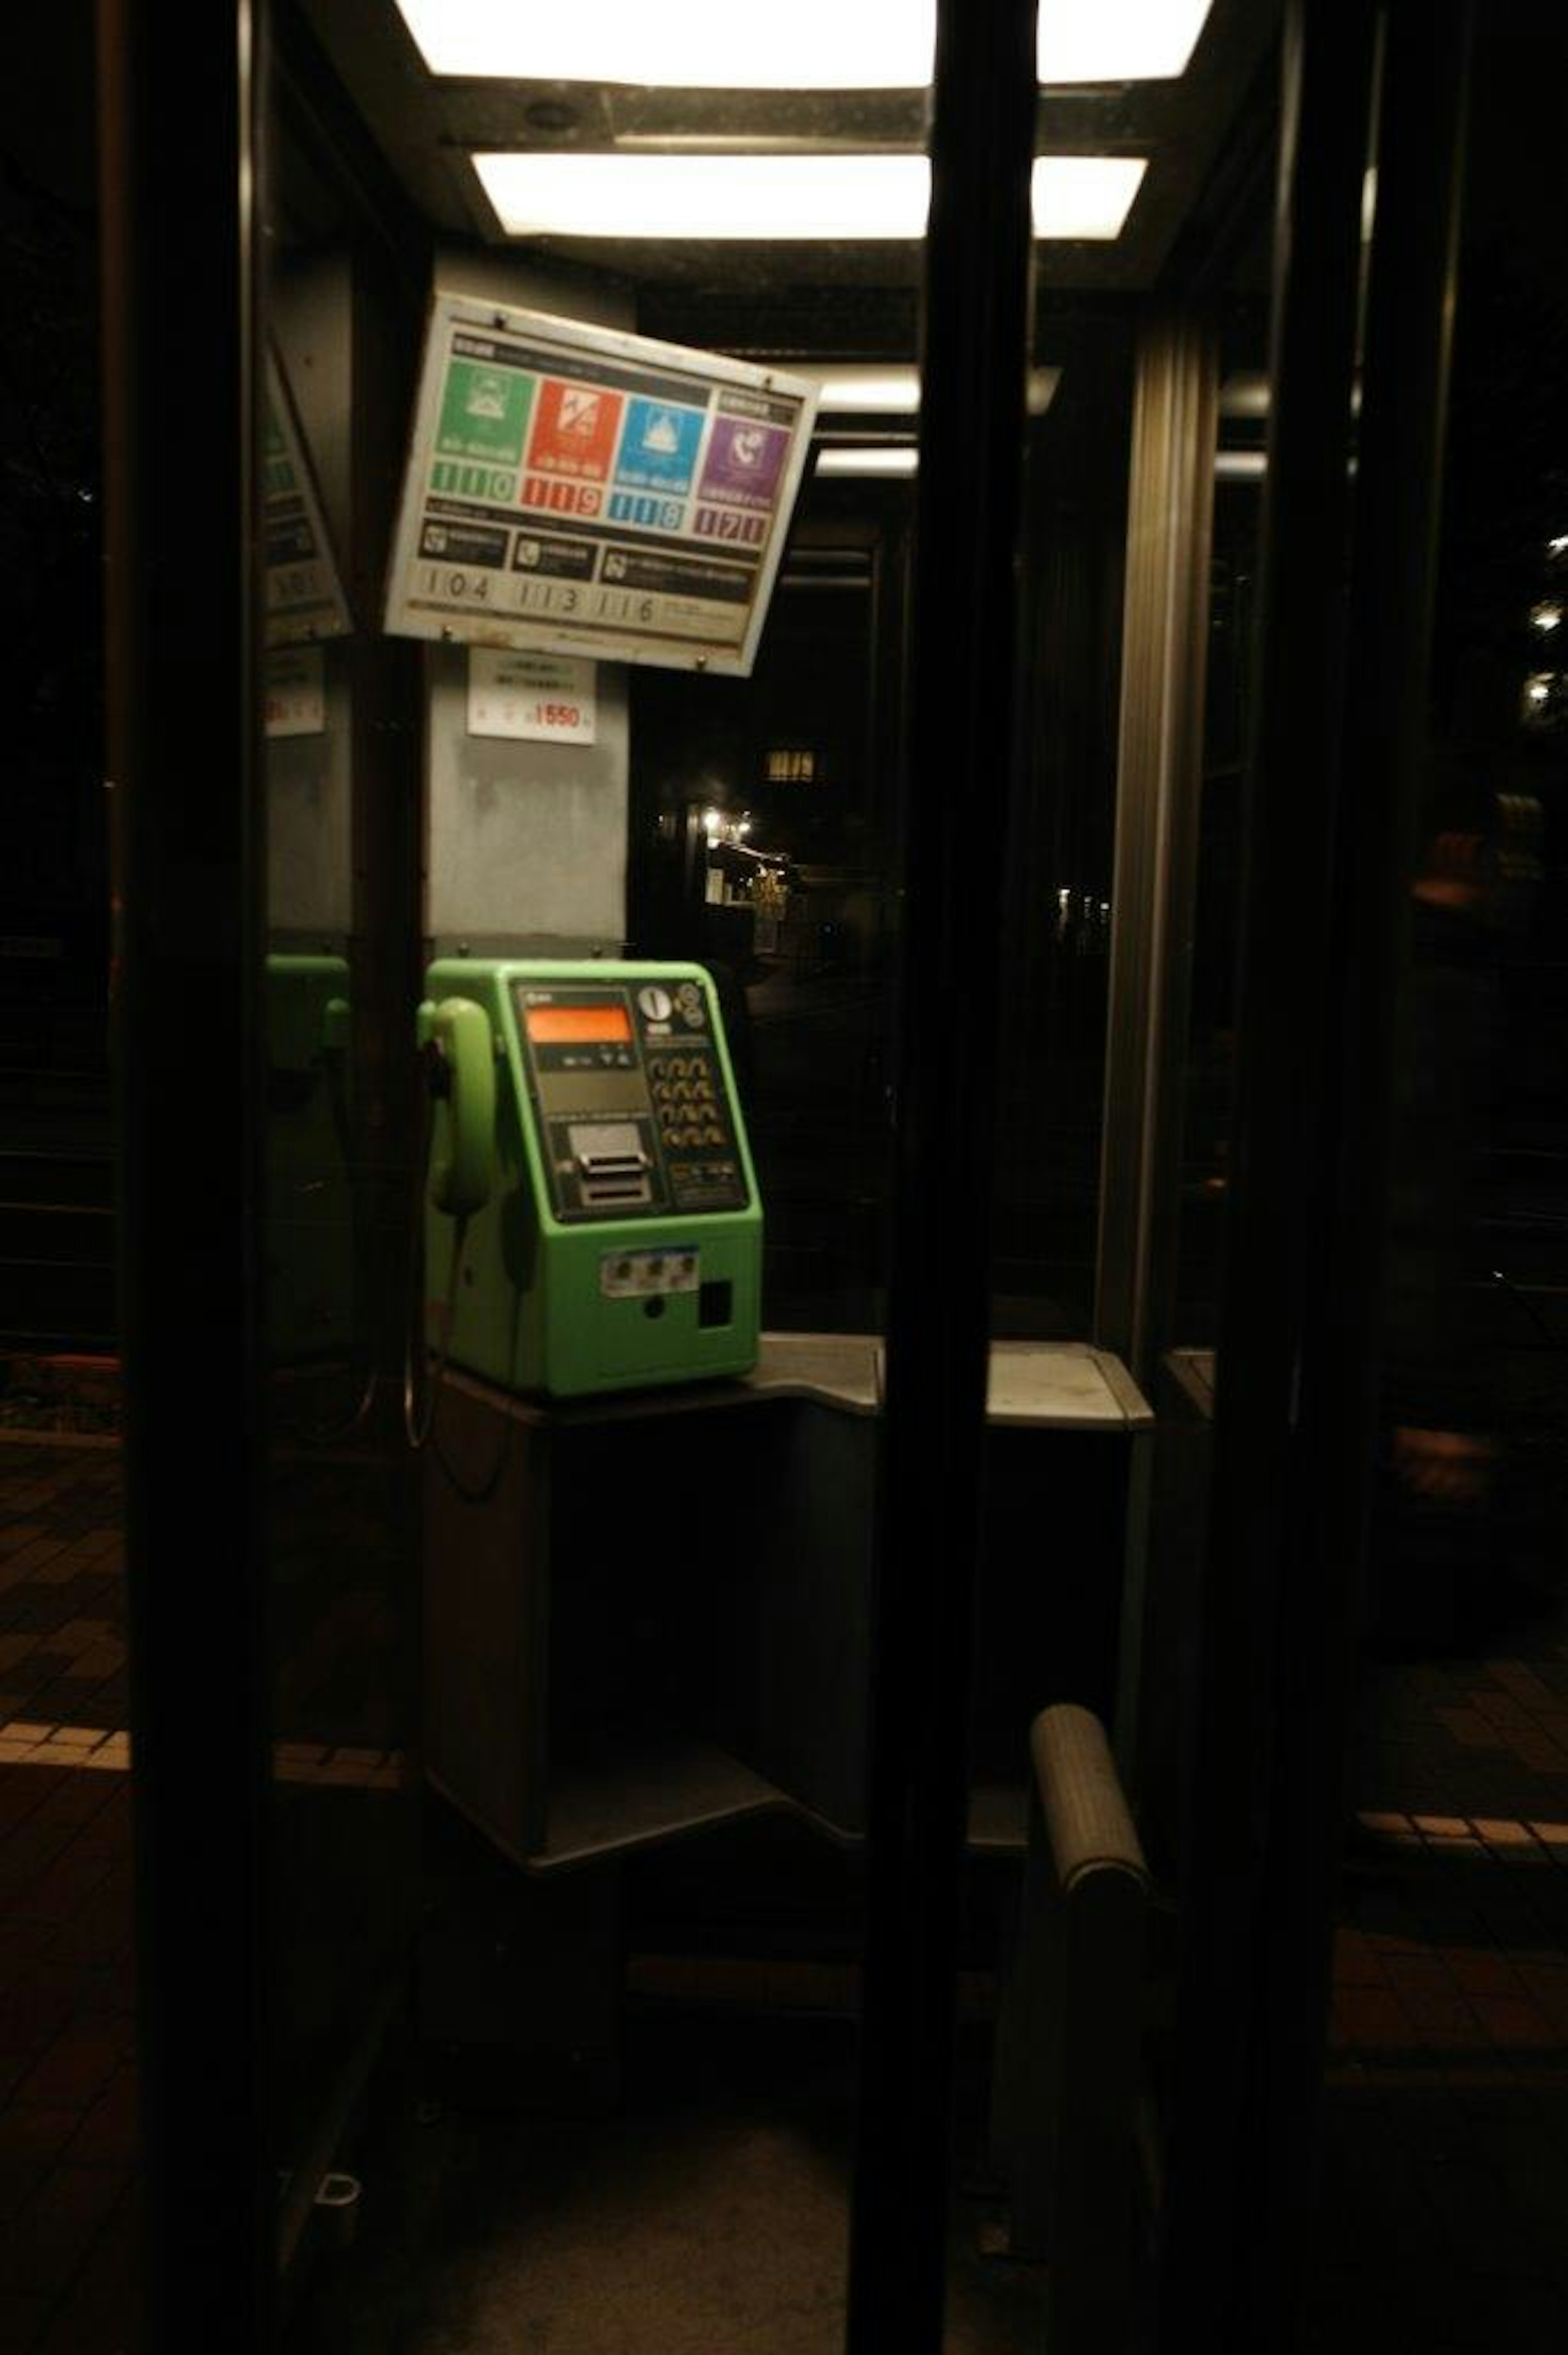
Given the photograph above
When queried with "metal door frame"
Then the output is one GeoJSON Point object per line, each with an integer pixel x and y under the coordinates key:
{"type": "Point", "coordinates": [182, 402]}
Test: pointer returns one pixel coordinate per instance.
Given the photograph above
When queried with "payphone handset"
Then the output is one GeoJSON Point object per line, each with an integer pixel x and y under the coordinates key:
{"type": "Point", "coordinates": [458, 1035]}
{"type": "Point", "coordinates": [612, 1229]}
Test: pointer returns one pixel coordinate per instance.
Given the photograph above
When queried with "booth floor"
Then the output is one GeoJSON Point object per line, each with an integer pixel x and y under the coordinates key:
{"type": "Point", "coordinates": [709, 2214]}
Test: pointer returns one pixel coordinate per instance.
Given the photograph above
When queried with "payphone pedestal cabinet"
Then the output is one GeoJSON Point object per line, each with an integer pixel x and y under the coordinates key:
{"type": "Point", "coordinates": [648, 1615]}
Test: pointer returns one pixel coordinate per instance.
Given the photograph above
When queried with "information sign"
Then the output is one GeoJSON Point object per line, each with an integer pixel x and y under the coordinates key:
{"type": "Point", "coordinates": [577, 490]}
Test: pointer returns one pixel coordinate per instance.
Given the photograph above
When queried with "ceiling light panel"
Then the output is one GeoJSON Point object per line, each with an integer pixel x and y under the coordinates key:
{"type": "Point", "coordinates": [1085, 196]}
{"type": "Point", "coordinates": [748, 196]}
{"type": "Point", "coordinates": [812, 45]}
{"type": "Point", "coordinates": [1118, 40]}
{"type": "Point", "coordinates": [793, 197]}
{"type": "Point", "coordinates": [853, 388]}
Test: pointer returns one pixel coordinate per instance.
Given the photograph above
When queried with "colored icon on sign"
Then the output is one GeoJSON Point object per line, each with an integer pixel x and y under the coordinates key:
{"type": "Point", "coordinates": [659, 446]}
{"type": "Point", "coordinates": [744, 462]}
{"type": "Point", "coordinates": [575, 430]}
{"type": "Point", "coordinates": [487, 397]}
{"type": "Point", "coordinates": [484, 413]}
{"type": "Point", "coordinates": [579, 413]}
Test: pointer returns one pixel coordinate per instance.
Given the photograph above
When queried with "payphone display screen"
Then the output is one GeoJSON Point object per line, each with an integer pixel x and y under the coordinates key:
{"type": "Point", "coordinates": [559, 1026]}
{"type": "Point", "coordinates": [632, 1107]}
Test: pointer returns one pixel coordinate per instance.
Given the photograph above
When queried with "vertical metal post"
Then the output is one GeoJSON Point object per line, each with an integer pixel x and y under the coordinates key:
{"type": "Point", "coordinates": [974, 357]}
{"type": "Point", "coordinates": [1423, 93]}
{"type": "Point", "coordinates": [180, 403]}
{"type": "Point", "coordinates": [1227, 1865]}
{"type": "Point", "coordinates": [1160, 782]}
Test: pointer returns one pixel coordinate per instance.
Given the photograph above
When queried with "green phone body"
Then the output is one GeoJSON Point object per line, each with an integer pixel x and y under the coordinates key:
{"type": "Point", "coordinates": [618, 1243]}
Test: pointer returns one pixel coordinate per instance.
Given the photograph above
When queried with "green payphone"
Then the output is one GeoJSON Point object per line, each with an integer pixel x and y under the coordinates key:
{"type": "Point", "coordinates": [592, 1205]}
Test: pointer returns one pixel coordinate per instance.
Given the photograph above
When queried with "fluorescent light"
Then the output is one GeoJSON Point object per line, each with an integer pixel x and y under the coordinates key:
{"type": "Point", "coordinates": [1240, 465]}
{"type": "Point", "coordinates": [1248, 394]}
{"type": "Point", "coordinates": [1244, 394]}
{"type": "Point", "coordinates": [1118, 40]}
{"type": "Point", "coordinates": [805, 198]}
{"type": "Point", "coordinates": [873, 459]}
{"type": "Point", "coordinates": [809, 45]}
{"type": "Point", "coordinates": [854, 389]}
{"type": "Point", "coordinates": [1085, 196]}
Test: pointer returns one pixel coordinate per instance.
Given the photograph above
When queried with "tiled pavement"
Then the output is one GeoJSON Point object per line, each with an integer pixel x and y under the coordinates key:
{"type": "Point", "coordinates": [66, 2027]}
{"type": "Point", "coordinates": [1445, 2223]}
{"type": "Point", "coordinates": [67, 2075]}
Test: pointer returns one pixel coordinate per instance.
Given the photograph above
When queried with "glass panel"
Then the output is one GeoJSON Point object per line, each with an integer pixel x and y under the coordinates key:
{"type": "Point", "coordinates": [1122, 823]}
{"type": "Point", "coordinates": [1449, 1939]}
{"type": "Point", "coordinates": [340, 782]}
{"type": "Point", "coordinates": [1057, 831]}
{"type": "Point", "coordinates": [777, 798]}
{"type": "Point", "coordinates": [641, 874]}
{"type": "Point", "coordinates": [777, 794]}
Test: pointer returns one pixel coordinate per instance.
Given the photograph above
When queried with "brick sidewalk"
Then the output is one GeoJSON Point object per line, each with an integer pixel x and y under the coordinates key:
{"type": "Point", "coordinates": [1445, 2224]}
{"type": "Point", "coordinates": [68, 2108]}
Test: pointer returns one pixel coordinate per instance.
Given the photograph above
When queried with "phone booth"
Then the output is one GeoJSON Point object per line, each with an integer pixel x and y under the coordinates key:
{"type": "Point", "coordinates": [693, 778]}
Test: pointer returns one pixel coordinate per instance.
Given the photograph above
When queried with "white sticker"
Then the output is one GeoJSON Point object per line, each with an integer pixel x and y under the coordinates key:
{"type": "Point", "coordinates": [640, 1274]}
{"type": "Point", "coordinates": [543, 699]}
{"type": "Point", "coordinates": [296, 692]}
